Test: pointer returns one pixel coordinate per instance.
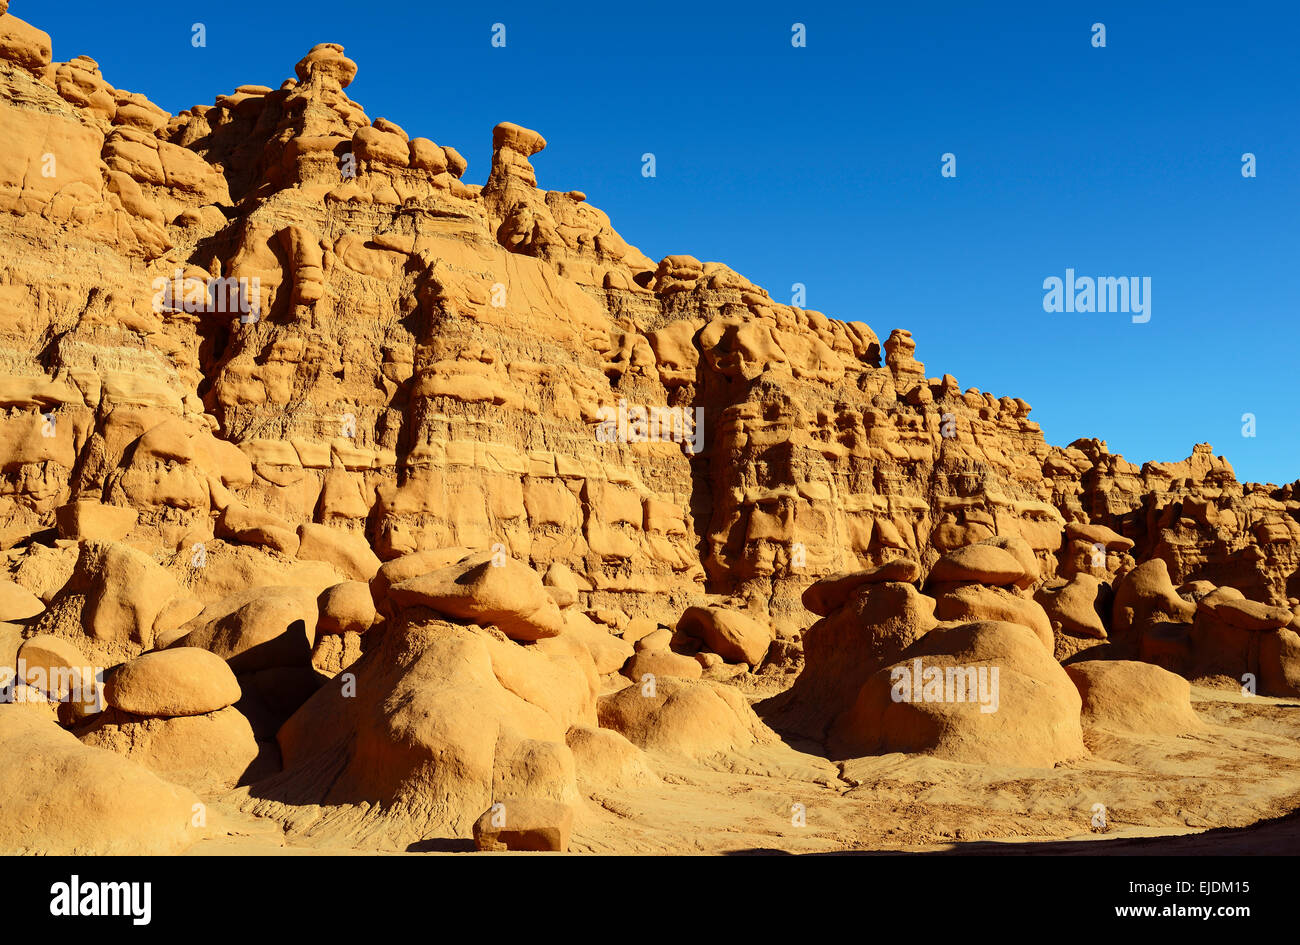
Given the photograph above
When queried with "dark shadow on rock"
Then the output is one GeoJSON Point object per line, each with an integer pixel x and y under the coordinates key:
{"type": "Point", "coordinates": [442, 845]}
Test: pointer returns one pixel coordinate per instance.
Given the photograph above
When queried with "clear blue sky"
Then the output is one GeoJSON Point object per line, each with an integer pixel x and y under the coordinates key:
{"type": "Point", "coordinates": [821, 165]}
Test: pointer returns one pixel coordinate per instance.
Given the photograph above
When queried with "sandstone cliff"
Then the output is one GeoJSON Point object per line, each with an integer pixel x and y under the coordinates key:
{"type": "Point", "coordinates": [275, 343]}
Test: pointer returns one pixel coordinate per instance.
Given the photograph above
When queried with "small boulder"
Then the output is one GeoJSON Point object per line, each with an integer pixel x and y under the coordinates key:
{"type": "Point", "coordinates": [346, 608]}
{"type": "Point", "coordinates": [831, 593]}
{"type": "Point", "coordinates": [347, 552]}
{"type": "Point", "coordinates": [486, 590]}
{"type": "Point", "coordinates": [18, 603]}
{"type": "Point", "coordinates": [1133, 698]}
{"type": "Point", "coordinates": [978, 564]}
{"type": "Point", "coordinates": [529, 825]}
{"type": "Point", "coordinates": [175, 682]}
{"type": "Point", "coordinates": [683, 717]}
{"type": "Point", "coordinates": [659, 663]}
{"type": "Point", "coordinates": [736, 637]}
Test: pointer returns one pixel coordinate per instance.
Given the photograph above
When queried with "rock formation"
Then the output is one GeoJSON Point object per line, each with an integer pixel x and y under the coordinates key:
{"type": "Point", "coordinates": [350, 486]}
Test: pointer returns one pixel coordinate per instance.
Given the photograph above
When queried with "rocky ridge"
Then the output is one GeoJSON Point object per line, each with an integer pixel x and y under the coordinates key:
{"type": "Point", "coordinates": [289, 407]}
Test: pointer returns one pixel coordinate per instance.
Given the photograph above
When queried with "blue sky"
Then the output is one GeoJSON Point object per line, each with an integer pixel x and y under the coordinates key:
{"type": "Point", "coordinates": [821, 165]}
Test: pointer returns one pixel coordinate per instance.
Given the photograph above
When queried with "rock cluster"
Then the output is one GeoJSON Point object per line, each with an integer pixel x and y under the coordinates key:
{"type": "Point", "coordinates": [433, 507]}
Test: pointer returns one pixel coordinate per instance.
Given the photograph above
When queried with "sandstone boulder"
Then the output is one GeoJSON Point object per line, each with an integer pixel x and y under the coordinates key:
{"type": "Point", "coordinates": [208, 753]}
{"type": "Point", "coordinates": [831, 593]}
{"type": "Point", "coordinates": [971, 603]}
{"type": "Point", "coordinates": [257, 629]}
{"type": "Point", "coordinates": [978, 564]}
{"type": "Point", "coordinates": [175, 682]}
{"type": "Point", "coordinates": [347, 552]}
{"type": "Point", "coordinates": [1134, 698]}
{"type": "Point", "coordinates": [486, 590]}
{"type": "Point", "coordinates": [736, 637]}
{"type": "Point", "coordinates": [346, 608]}
{"type": "Point", "coordinates": [64, 798]}
{"type": "Point", "coordinates": [683, 717]}
{"type": "Point", "coordinates": [658, 663]}
{"type": "Point", "coordinates": [18, 603]}
{"type": "Point", "coordinates": [605, 759]}
{"type": "Point", "coordinates": [985, 692]}
{"type": "Point", "coordinates": [842, 651]}
{"type": "Point", "coordinates": [534, 826]}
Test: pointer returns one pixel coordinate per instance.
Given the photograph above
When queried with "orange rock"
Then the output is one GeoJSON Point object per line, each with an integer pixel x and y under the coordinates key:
{"type": "Point", "coordinates": [734, 636]}
{"type": "Point", "coordinates": [983, 692]}
{"type": "Point", "coordinates": [1134, 698]}
{"type": "Point", "coordinates": [174, 682]}
{"type": "Point", "coordinates": [533, 826]}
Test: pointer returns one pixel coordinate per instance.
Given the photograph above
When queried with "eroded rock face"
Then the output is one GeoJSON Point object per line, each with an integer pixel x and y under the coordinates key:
{"type": "Point", "coordinates": [317, 426]}
{"type": "Point", "coordinates": [285, 399]}
{"type": "Point", "coordinates": [438, 723]}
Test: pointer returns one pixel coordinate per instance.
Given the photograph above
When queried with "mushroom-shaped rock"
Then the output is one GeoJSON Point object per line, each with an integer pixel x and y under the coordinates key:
{"type": "Point", "coordinates": [1022, 551]}
{"type": "Point", "coordinates": [1077, 606]}
{"type": "Point", "coordinates": [327, 59]}
{"type": "Point", "coordinates": [1243, 614]}
{"type": "Point", "coordinates": [441, 722]}
{"type": "Point", "coordinates": [413, 565]}
{"type": "Point", "coordinates": [1133, 698]}
{"type": "Point", "coordinates": [978, 564]}
{"type": "Point", "coordinates": [831, 593]}
{"type": "Point", "coordinates": [517, 138]}
{"type": "Point", "coordinates": [166, 683]}
{"type": "Point", "coordinates": [1227, 635]}
{"type": "Point", "coordinates": [488, 590]}
{"type": "Point", "coordinates": [841, 651]}
{"type": "Point", "coordinates": [736, 637]}
{"type": "Point", "coordinates": [1146, 596]}
{"type": "Point", "coordinates": [974, 602]}
{"type": "Point", "coordinates": [1108, 538]}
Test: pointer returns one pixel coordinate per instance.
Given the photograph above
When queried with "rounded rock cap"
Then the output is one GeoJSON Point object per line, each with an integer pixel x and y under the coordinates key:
{"type": "Point", "coordinates": [517, 138]}
{"type": "Point", "coordinates": [171, 683]}
{"type": "Point", "coordinates": [327, 59]}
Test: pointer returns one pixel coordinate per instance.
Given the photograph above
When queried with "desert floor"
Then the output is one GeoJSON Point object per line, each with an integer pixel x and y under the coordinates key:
{"type": "Point", "coordinates": [1231, 789]}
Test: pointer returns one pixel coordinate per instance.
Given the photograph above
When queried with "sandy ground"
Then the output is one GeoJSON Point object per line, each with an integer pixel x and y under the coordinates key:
{"type": "Point", "coordinates": [1161, 795]}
